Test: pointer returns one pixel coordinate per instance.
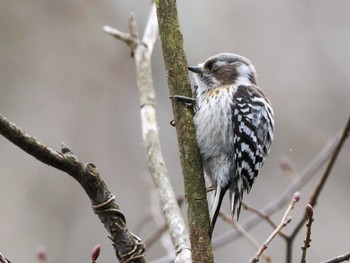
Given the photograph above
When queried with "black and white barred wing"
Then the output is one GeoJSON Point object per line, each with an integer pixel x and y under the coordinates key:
{"type": "Point", "coordinates": [253, 127]}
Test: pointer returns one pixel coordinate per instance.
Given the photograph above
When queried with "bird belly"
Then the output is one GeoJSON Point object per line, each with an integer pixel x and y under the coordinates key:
{"type": "Point", "coordinates": [214, 130]}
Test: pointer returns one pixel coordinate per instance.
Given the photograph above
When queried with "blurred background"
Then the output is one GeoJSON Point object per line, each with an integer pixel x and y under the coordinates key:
{"type": "Point", "coordinates": [64, 80]}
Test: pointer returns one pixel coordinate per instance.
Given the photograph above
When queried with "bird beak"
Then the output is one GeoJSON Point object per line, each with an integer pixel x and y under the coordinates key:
{"type": "Point", "coordinates": [194, 69]}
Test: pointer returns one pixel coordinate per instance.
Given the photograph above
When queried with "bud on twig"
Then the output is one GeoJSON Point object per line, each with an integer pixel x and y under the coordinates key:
{"type": "Point", "coordinates": [288, 220]}
{"type": "Point", "coordinates": [95, 253]}
{"type": "Point", "coordinates": [296, 197]}
{"type": "Point", "coordinates": [41, 254]}
{"type": "Point", "coordinates": [309, 211]}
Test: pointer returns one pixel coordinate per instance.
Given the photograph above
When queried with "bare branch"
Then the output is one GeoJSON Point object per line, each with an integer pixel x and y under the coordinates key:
{"type": "Point", "coordinates": [320, 185]}
{"type": "Point", "coordinates": [142, 54]}
{"type": "Point", "coordinates": [127, 245]}
{"type": "Point", "coordinates": [124, 37]}
{"type": "Point", "coordinates": [133, 28]}
{"type": "Point", "coordinates": [263, 216]}
{"type": "Point", "coordinates": [178, 84]}
{"type": "Point", "coordinates": [244, 233]}
{"type": "Point", "coordinates": [309, 213]}
{"type": "Point", "coordinates": [285, 220]}
{"type": "Point", "coordinates": [3, 259]}
{"type": "Point", "coordinates": [341, 258]}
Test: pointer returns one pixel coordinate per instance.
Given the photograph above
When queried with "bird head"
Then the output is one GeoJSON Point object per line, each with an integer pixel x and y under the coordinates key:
{"type": "Point", "coordinates": [222, 70]}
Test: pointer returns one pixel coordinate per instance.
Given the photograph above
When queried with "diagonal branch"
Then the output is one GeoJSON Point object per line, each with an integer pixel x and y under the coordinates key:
{"type": "Point", "coordinates": [338, 259]}
{"type": "Point", "coordinates": [321, 183]}
{"type": "Point", "coordinates": [127, 245]}
{"type": "Point", "coordinates": [3, 259]}
{"type": "Point", "coordinates": [285, 220]}
{"type": "Point", "coordinates": [228, 219]}
{"type": "Point", "coordinates": [263, 216]}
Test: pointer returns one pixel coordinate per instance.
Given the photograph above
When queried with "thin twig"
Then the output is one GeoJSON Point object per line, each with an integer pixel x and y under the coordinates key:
{"type": "Point", "coordinates": [122, 36]}
{"type": "Point", "coordinates": [320, 185]}
{"type": "Point", "coordinates": [309, 213]}
{"type": "Point", "coordinates": [284, 198]}
{"type": "Point", "coordinates": [341, 258]}
{"type": "Point", "coordinates": [285, 220]}
{"type": "Point", "coordinates": [251, 208]}
{"type": "Point", "coordinates": [228, 219]}
{"type": "Point", "coordinates": [3, 259]}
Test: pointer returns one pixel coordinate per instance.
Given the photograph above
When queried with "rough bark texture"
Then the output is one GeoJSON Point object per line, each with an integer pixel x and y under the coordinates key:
{"type": "Point", "coordinates": [178, 83]}
{"type": "Point", "coordinates": [127, 246]}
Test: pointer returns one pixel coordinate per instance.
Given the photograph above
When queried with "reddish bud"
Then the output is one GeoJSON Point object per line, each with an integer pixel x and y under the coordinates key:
{"type": "Point", "coordinates": [309, 211]}
{"type": "Point", "coordinates": [41, 254]}
{"type": "Point", "coordinates": [95, 253]}
{"type": "Point", "coordinates": [296, 196]}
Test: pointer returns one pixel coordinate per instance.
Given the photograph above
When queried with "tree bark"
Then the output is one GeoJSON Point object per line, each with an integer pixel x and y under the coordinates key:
{"type": "Point", "coordinates": [178, 84]}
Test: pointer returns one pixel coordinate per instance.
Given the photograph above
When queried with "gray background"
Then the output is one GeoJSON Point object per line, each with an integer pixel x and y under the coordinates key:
{"type": "Point", "coordinates": [64, 80]}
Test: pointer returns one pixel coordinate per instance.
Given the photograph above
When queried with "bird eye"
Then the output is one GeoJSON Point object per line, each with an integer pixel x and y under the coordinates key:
{"type": "Point", "coordinates": [209, 66]}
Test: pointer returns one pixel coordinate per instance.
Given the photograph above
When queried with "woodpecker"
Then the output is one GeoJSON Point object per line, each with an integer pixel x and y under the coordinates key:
{"type": "Point", "coordinates": [234, 125]}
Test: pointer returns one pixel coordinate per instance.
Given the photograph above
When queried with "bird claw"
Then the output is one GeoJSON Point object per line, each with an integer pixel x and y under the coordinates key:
{"type": "Point", "coordinates": [188, 101]}
{"type": "Point", "coordinates": [211, 188]}
{"type": "Point", "coordinates": [191, 102]}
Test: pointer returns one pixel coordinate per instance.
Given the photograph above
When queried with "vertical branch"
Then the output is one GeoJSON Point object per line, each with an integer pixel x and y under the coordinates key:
{"type": "Point", "coordinates": [142, 51]}
{"type": "Point", "coordinates": [178, 83]}
{"type": "Point", "coordinates": [307, 241]}
{"type": "Point", "coordinates": [150, 134]}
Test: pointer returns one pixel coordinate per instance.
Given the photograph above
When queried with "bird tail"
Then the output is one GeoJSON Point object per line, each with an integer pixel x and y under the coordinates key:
{"type": "Point", "coordinates": [236, 199]}
{"type": "Point", "coordinates": [215, 207]}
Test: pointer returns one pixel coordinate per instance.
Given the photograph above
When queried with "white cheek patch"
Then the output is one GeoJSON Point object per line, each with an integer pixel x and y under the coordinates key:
{"type": "Point", "coordinates": [244, 73]}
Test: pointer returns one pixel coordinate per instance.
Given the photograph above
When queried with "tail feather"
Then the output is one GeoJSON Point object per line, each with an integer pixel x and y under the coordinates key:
{"type": "Point", "coordinates": [236, 198]}
{"type": "Point", "coordinates": [215, 207]}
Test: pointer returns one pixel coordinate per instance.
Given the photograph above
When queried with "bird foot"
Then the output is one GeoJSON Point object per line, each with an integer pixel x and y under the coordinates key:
{"type": "Point", "coordinates": [190, 102]}
{"type": "Point", "coordinates": [211, 188]}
